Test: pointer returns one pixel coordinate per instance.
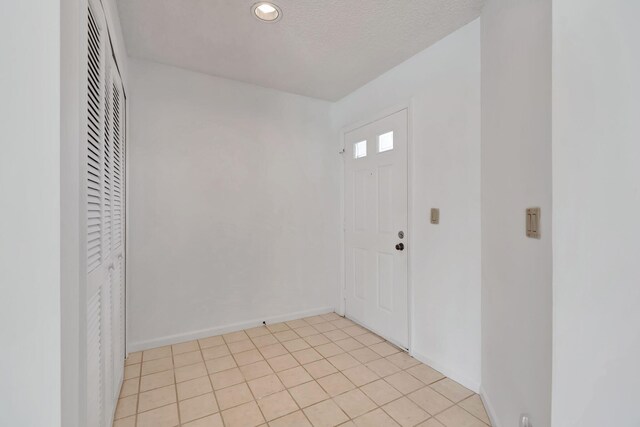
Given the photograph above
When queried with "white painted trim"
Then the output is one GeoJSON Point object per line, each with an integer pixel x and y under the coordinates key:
{"type": "Point", "coordinates": [489, 408]}
{"type": "Point", "coordinates": [219, 330]}
{"type": "Point", "coordinates": [450, 373]}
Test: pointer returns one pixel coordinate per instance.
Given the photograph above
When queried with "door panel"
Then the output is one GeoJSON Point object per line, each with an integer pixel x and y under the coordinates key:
{"type": "Point", "coordinates": [376, 211]}
{"type": "Point", "coordinates": [104, 175]}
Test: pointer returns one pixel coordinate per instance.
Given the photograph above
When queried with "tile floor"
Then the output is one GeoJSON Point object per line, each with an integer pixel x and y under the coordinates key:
{"type": "Point", "coordinates": [318, 371]}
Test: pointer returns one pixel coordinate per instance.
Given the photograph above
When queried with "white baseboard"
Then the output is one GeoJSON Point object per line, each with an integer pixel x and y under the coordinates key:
{"type": "Point", "coordinates": [219, 330]}
{"type": "Point", "coordinates": [489, 408]}
{"type": "Point", "coordinates": [472, 385]}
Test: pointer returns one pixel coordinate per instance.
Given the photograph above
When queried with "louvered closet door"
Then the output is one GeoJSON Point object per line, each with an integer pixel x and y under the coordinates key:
{"type": "Point", "coordinates": [97, 253]}
{"type": "Point", "coordinates": [105, 183]}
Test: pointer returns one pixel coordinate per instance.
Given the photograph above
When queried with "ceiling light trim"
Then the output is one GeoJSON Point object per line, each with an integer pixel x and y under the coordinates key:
{"type": "Point", "coordinates": [269, 17]}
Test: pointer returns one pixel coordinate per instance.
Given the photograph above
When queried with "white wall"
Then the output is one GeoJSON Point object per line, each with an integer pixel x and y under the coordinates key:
{"type": "Point", "coordinates": [234, 205]}
{"type": "Point", "coordinates": [442, 86]}
{"type": "Point", "coordinates": [30, 214]}
{"type": "Point", "coordinates": [516, 174]}
{"type": "Point", "coordinates": [596, 185]}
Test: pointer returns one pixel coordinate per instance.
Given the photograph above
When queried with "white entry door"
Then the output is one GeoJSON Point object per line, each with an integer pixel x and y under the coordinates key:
{"type": "Point", "coordinates": [376, 227]}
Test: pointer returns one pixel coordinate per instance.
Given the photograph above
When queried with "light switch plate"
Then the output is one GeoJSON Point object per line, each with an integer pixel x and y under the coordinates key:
{"type": "Point", "coordinates": [533, 223]}
{"type": "Point", "coordinates": [435, 216]}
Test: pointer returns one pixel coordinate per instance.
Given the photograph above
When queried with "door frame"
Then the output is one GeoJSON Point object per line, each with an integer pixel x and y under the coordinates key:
{"type": "Point", "coordinates": [341, 306]}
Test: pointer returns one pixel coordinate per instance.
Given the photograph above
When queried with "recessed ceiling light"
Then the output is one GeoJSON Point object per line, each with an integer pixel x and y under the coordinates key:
{"type": "Point", "coordinates": [266, 11]}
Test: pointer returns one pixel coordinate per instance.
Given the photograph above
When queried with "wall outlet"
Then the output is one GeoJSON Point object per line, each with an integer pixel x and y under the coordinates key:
{"type": "Point", "coordinates": [525, 421]}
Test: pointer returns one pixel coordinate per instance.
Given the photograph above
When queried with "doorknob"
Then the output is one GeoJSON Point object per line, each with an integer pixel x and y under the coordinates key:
{"type": "Point", "coordinates": [400, 246]}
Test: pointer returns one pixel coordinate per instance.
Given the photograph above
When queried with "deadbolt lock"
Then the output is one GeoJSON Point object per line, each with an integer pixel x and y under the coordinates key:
{"type": "Point", "coordinates": [401, 234]}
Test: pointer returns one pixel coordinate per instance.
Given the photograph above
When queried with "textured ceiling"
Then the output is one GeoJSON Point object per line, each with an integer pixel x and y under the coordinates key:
{"type": "Point", "coordinates": [320, 48]}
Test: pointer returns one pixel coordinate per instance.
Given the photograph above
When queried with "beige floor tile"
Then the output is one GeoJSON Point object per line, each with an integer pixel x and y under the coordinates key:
{"type": "Point", "coordinates": [325, 414]}
{"type": "Point", "coordinates": [458, 417]}
{"type": "Point", "coordinates": [248, 357]}
{"type": "Point", "coordinates": [328, 350]}
{"type": "Point", "coordinates": [313, 320]}
{"type": "Point", "coordinates": [197, 407]}
{"type": "Point", "coordinates": [278, 327]}
{"type": "Point", "coordinates": [451, 390]}
{"type": "Point", "coordinates": [360, 375]}
{"type": "Point", "coordinates": [369, 339]}
{"type": "Point", "coordinates": [430, 400]}
{"type": "Point", "coordinates": [306, 356]}
{"type": "Point", "coordinates": [343, 361]}
{"type": "Point", "coordinates": [247, 415]}
{"type": "Point", "coordinates": [185, 359]}
{"type": "Point", "coordinates": [273, 350]}
{"type": "Point", "coordinates": [214, 420]}
{"type": "Point", "coordinates": [241, 346]}
{"type": "Point", "coordinates": [193, 388]}
{"type": "Point", "coordinates": [132, 371]}
{"type": "Point", "coordinates": [125, 422]}
{"type": "Point", "coordinates": [431, 422]}
{"type": "Point", "coordinates": [157, 365]}
{"type": "Point", "coordinates": [425, 373]}
{"type": "Point", "coordinates": [295, 345]}
{"type": "Point", "coordinates": [277, 405]}
{"type": "Point", "coordinates": [165, 416]}
{"type": "Point", "coordinates": [227, 378]}
{"type": "Point", "coordinates": [330, 316]}
{"type": "Point", "coordinates": [287, 335]}
{"type": "Point", "coordinates": [404, 382]}
{"type": "Point", "coordinates": [342, 323]}
{"type": "Point", "coordinates": [129, 387]}
{"type": "Point", "coordinates": [126, 406]}
{"type": "Point", "coordinates": [156, 398]}
{"type": "Point", "coordinates": [383, 367]}
{"type": "Point", "coordinates": [185, 347]}
{"type": "Point", "coordinates": [336, 335]}
{"type": "Point", "coordinates": [256, 370]}
{"type": "Point", "coordinates": [233, 396]}
{"type": "Point", "coordinates": [190, 372]}
{"type": "Point", "coordinates": [296, 419]}
{"type": "Point", "coordinates": [336, 384]}
{"type": "Point", "coordinates": [355, 403]}
{"type": "Point", "coordinates": [377, 418]}
{"type": "Point", "coordinates": [402, 360]}
{"type": "Point", "coordinates": [381, 392]}
{"type": "Point", "coordinates": [298, 323]}
{"type": "Point", "coordinates": [133, 358]}
{"type": "Point", "coordinates": [324, 327]}
{"type": "Point", "coordinates": [405, 412]}
{"type": "Point", "coordinates": [475, 407]}
{"type": "Point", "coordinates": [265, 386]}
{"type": "Point", "coordinates": [316, 340]}
{"type": "Point", "coordinates": [211, 342]}
{"type": "Point", "coordinates": [220, 364]}
{"type": "Point", "coordinates": [156, 353]}
{"type": "Point", "coordinates": [349, 344]}
{"type": "Point", "coordinates": [161, 379]}
{"type": "Point", "coordinates": [365, 355]}
{"type": "Point", "coordinates": [264, 340]}
{"type": "Point", "coordinates": [355, 330]}
{"type": "Point", "coordinates": [294, 376]}
{"type": "Point", "coordinates": [306, 331]}
{"type": "Point", "coordinates": [384, 349]}
{"type": "Point", "coordinates": [320, 368]}
{"type": "Point", "coordinates": [235, 337]}
{"type": "Point", "coordinates": [215, 352]}
{"type": "Point", "coordinates": [308, 394]}
{"type": "Point", "coordinates": [258, 331]}
{"type": "Point", "coordinates": [281, 363]}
